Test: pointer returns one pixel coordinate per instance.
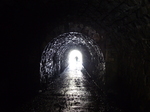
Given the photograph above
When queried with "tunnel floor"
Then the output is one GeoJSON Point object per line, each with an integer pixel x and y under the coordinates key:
{"type": "Point", "coordinates": [72, 91]}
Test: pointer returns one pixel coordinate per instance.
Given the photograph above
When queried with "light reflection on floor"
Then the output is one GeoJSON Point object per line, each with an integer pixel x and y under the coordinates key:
{"type": "Point", "coordinates": [76, 92]}
{"type": "Point", "coordinates": [73, 91]}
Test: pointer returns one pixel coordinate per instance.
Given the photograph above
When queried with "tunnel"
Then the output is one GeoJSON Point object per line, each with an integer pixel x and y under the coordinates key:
{"type": "Point", "coordinates": [111, 41]}
{"type": "Point", "coordinates": [55, 56]}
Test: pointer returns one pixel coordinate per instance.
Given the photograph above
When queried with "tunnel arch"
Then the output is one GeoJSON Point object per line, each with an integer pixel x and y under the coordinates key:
{"type": "Point", "coordinates": [54, 56]}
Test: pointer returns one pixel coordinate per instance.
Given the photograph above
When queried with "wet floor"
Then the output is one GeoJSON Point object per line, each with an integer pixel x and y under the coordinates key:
{"type": "Point", "coordinates": [72, 91]}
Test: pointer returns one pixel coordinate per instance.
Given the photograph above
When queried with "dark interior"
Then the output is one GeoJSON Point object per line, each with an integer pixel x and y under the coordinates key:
{"type": "Point", "coordinates": [117, 45]}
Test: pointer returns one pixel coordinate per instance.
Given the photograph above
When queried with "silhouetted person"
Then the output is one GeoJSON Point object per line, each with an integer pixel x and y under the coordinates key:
{"type": "Point", "coordinates": [76, 58]}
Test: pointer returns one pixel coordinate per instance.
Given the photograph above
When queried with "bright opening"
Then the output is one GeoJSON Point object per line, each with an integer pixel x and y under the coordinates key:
{"type": "Point", "coordinates": [75, 59]}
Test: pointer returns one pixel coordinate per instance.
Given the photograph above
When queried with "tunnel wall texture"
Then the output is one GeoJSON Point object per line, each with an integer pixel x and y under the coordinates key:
{"type": "Point", "coordinates": [120, 27]}
{"type": "Point", "coordinates": [53, 56]}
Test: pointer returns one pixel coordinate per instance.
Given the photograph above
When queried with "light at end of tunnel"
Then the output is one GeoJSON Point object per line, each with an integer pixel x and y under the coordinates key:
{"type": "Point", "coordinates": [75, 59]}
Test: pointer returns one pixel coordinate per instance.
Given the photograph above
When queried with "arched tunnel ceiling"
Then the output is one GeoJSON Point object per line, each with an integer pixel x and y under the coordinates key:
{"type": "Point", "coordinates": [114, 20]}
{"type": "Point", "coordinates": [118, 20]}
{"type": "Point", "coordinates": [53, 56]}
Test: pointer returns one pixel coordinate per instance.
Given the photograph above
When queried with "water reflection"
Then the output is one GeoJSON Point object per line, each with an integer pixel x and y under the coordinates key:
{"type": "Point", "coordinates": [74, 88]}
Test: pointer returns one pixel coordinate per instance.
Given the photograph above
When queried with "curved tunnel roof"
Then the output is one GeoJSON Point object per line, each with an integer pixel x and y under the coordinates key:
{"type": "Point", "coordinates": [54, 52]}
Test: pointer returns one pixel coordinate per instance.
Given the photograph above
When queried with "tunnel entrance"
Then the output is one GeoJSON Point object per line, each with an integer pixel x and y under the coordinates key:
{"type": "Point", "coordinates": [75, 59]}
{"type": "Point", "coordinates": [71, 49]}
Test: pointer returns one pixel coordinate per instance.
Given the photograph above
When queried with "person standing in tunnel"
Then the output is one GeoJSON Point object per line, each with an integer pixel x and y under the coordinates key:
{"type": "Point", "coordinates": [76, 58]}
